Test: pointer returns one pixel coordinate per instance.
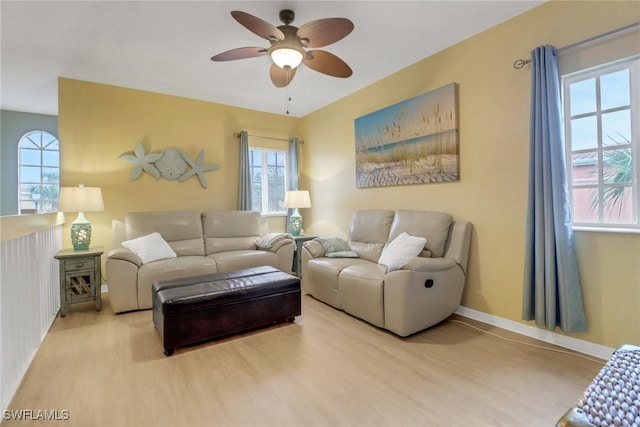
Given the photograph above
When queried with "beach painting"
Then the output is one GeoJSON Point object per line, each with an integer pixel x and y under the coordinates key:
{"type": "Point", "coordinates": [412, 142]}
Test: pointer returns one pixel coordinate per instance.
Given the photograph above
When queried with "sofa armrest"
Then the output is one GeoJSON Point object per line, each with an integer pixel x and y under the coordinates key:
{"type": "Point", "coordinates": [313, 248]}
{"type": "Point", "coordinates": [274, 241]}
{"type": "Point", "coordinates": [416, 299]}
{"type": "Point", "coordinates": [431, 265]}
{"type": "Point", "coordinates": [459, 243]}
{"type": "Point", "coordinates": [124, 255]}
{"type": "Point", "coordinates": [122, 267]}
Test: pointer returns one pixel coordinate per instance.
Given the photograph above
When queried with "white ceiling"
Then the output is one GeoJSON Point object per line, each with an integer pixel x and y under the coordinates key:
{"type": "Point", "coordinates": [165, 46]}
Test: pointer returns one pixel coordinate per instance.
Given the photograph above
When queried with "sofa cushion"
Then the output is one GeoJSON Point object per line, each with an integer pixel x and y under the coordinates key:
{"type": "Point", "coordinates": [245, 258]}
{"type": "Point", "coordinates": [400, 251]}
{"type": "Point", "coordinates": [361, 289]}
{"type": "Point", "coordinates": [149, 248]}
{"type": "Point", "coordinates": [433, 226]}
{"type": "Point", "coordinates": [323, 274]}
{"type": "Point", "coordinates": [368, 251]}
{"type": "Point", "coordinates": [173, 268]}
{"type": "Point", "coordinates": [181, 229]}
{"type": "Point", "coordinates": [370, 226]}
{"type": "Point", "coordinates": [232, 230]}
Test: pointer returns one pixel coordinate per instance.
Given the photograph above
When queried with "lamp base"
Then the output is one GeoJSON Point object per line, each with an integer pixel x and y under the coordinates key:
{"type": "Point", "coordinates": [80, 233]}
{"type": "Point", "coordinates": [295, 223]}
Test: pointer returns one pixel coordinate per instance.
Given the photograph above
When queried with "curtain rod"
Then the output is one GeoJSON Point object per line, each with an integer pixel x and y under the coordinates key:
{"type": "Point", "coordinates": [519, 63]}
{"type": "Point", "coordinates": [237, 135]}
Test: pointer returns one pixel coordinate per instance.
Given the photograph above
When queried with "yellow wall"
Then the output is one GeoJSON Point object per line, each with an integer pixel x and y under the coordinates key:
{"type": "Point", "coordinates": [492, 192]}
{"type": "Point", "coordinates": [98, 123]}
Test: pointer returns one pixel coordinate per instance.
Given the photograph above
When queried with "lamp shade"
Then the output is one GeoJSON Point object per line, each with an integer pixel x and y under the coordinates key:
{"type": "Point", "coordinates": [80, 199]}
{"type": "Point", "coordinates": [297, 199]}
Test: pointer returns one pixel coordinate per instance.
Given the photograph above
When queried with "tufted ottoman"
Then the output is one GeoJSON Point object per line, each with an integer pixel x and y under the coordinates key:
{"type": "Point", "coordinates": [195, 309]}
{"type": "Point", "coordinates": [613, 397]}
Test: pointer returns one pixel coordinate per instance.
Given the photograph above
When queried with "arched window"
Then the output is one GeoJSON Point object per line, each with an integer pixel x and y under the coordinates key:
{"type": "Point", "coordinates": [38, 172]}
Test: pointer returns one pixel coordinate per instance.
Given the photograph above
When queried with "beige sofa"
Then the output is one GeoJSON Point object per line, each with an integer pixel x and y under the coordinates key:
{"type": "Point", "coordinates": [425, 291]}
{"type": "Point", "coordinates": [203, 243]}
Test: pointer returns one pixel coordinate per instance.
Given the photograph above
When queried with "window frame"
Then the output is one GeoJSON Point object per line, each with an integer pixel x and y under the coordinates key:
{"type": "Point", "coordinates": [264, 211]}
{"type": "Point", "coordinates": [38, 144]}
{"type": "Point", "coordinates": [633, 64]}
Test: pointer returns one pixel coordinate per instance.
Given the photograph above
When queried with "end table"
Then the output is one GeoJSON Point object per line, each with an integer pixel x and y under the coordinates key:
{"type": "Point", "coordinates": [297, 254]}
{"type": "Point", "coordinates": [80, 277]}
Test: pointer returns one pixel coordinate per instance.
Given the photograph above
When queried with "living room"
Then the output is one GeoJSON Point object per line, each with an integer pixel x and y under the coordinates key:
{"type": "Point", "coordinates": [97, 123]}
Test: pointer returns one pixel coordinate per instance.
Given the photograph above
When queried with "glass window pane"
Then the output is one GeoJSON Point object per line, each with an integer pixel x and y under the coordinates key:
{"type": "Point", "coordinates": [50, 192]}
{"type": "Point", "coordinates": [36, 139]}
{"type": "Point", "coordinates": [256, 176]}
{"type": "Point", "coordinates": [51, 158]}
{"type": "Point", "coordinates": [29, 174]}
{"type": "Point", "coordinates": [614, 89]}
{"type": "Point", "coordinates": [49, 141]}
{"type": "Point", "coordinates": [584, 133]}
{"type": "Point", "coordinates": [255, 157]}
{"type": "Point", "coordinates": [584, 168]}
{"type": "Point", "coordinates": [618, 205]}
{"type": "Point", "coordinates": [276, 197]}
{"type": "Point", "coordinates": [583, 97]}
{"type": "Point", "coordinates": [26, 142]}
{"type": "Point", "coordinates": [271, 158]}
{"type": "Point", "coordinates": [50, 174]}
{"type": "Point", "coordinates": [29, 157]}
{"type": "Point", "coordinates": [617, 166]}
{"type": "Point", "coordinates": [585, 205]}
{"type": "Point", "coordinates": [616, 128]}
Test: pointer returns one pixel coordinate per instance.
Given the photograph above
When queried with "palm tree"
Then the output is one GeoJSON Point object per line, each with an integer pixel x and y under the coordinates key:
{"type": "Point", "coordinates": [617, 169]}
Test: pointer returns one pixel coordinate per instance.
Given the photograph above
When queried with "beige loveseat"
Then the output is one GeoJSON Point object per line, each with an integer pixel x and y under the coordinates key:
{"type": "Point", "coordinates": [203, 243]}
{"type": "Point", "coordinates": [422, 292]}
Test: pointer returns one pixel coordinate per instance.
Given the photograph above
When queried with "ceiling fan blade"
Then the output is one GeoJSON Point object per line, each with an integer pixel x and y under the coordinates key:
{"type": "Point", "coordinates": [323, 32]}
{"type": "Point", "coordinates": [327, 63]}
{"type": "Point", "coordinates": [239, 53]}
{"type": "Point", "coordinates": [258, 26]}
{"type": "Point", "coordinates": [281, 77]}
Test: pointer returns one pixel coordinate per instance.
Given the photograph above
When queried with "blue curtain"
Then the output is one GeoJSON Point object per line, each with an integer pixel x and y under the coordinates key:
{"type": "Point", "coordinates": [294, 171]}
{"type": "Point", "coordinates": [552, 290]}
{"type": "Point", "coordinates": [244, 174]}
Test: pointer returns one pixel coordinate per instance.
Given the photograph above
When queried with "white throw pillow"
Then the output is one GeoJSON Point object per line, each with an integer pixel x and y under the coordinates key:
{"type": "Point", "coordinates": [400, 251]}
{"type": "Point", "coordinates": [151, 247]}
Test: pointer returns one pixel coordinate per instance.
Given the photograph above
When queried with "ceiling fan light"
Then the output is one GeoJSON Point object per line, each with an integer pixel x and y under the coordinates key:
{"type": "Point", "coordinates": [286, 57]}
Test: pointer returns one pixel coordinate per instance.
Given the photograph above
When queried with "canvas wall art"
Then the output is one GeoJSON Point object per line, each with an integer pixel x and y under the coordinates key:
{"type": "Point", "coordinates": [412, 142]}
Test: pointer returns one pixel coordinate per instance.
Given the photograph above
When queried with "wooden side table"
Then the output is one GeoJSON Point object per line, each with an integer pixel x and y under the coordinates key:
{"type": "Point", "coordinates": [80, 277]}
{"type": "Point", "coordinates": [297, 254]}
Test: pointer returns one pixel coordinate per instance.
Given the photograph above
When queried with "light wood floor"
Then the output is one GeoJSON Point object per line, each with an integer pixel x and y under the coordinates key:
{"type": "Point", "coordinates": [326, 369]}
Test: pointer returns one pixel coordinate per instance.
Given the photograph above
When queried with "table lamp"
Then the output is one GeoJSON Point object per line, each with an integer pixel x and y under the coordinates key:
{"type": "Point", "coordinates": [80, 199]}
{"type": "Point", "coordinates": [295, 200]}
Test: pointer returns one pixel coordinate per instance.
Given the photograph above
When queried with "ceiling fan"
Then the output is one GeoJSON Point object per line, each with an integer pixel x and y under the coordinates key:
{"type": "Point", "coordinates": [289, 45]}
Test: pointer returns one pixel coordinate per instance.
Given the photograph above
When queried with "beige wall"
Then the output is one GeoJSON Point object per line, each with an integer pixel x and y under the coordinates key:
{"type": "Point", "coordinates": [98, 123]}
{"type": "Point", "coordinates": [492, 192]}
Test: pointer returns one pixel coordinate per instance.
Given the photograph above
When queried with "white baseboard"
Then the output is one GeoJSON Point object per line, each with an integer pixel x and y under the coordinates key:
{"type": "Point", "coordinates": [586, 347]}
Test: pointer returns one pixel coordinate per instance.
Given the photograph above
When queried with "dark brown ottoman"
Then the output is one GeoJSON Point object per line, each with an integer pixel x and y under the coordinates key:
{"type": "Point", "coordinates": [199, 308]}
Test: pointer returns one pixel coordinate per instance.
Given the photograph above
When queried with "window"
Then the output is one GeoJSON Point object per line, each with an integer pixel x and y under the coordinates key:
{"type": "Point", "coordinates": [38, 172]}
{"type": "Point", "coordinates": [602, 122]}
{"type": "Point", "coordinates": [268, 180]}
